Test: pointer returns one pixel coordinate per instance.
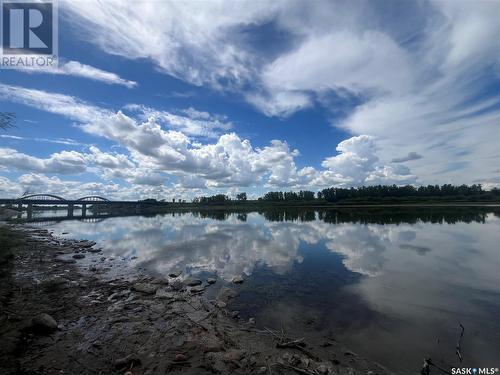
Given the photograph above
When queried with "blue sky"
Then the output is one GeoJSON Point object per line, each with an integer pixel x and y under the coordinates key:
{"type": "Point", "coordinates": [179, 99]}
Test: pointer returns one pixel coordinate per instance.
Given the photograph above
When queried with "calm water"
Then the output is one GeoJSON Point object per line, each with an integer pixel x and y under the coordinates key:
{"type": "Point", "coordinates": [392, 285]}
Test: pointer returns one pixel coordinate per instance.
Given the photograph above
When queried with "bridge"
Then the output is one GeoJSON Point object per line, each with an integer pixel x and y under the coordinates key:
{"type": "Point", "coordinates": [33, 201]}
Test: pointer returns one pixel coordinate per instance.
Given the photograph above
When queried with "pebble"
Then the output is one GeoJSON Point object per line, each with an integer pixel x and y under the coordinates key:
{"type": "Point", "coordinates": [192, 281]}
{"type": "Point", "coordinates": [225, 294]}
{"type": "Point", "coordinates": [179, 357]}
{"type": "Point", "coordinates": [238, 280]}
{"type": "Point", "coordinates": [322, 369]}
{"type": "Point", "coordinates": [44, 323]}
{"type": "Point", "coordinates": [145, 288]}
{"type": "Point", "coordinates": [79, 256]}
{"type": "Point", "coordinates": [197, 289]}
{"type": "Point", "coordinates": [175, 274]}
{"type": "Point", "coordinates": [262, 370]}
{"type": "Point", "coordinates": [127, 361]}
{"type": "Point", "coordinates": [211, 280]}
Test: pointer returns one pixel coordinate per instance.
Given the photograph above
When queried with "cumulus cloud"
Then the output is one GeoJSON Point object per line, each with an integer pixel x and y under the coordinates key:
{"type": "Point", "coordinates": [77, 69]}
{"type": "Point", "coordinates": [421, 79]}
{"type": "Point", "coordinates": [65, 162]}
{"type": "Point", "coordinates": [156, 154]}
{"type": "Point", "coordinates": [190, 121]}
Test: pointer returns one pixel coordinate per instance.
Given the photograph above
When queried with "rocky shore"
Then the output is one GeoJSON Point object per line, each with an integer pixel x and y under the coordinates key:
{"type": "Point", "coordinates": [62, 313]}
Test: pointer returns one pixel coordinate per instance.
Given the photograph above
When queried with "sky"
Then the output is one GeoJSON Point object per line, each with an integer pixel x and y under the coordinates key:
{"type": "Point", "coordinates": [181, 99]}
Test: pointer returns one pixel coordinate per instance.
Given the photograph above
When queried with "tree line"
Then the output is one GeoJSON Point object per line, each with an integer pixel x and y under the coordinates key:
{"type": "Point", "coordinates": [335, 194]}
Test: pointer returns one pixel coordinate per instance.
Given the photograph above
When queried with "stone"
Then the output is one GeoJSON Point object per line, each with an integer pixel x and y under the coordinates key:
{"type": "Point", "coordinates": [235, 314]}
{"type": "Point", "coordinates": [190, 281]}
{"type": "Point", "coordinates": [164, 293]}
{"type": "Point", "coordinates": [233, 355]}
{"type": "Point", "coordinates": [159, 281]}
{"type": "Point", "coordinates": [95, 250]}
{"type": "Point", "coordinates": [225, 294]}
{"type": "Point", "coordinates": [79, 256]}
{"type": "Point", "coordinates": [197, 289]}
{"type": "Point", "coordinates": [262, 370]}
{"type": "Point", "coordinates": [175, 274]}
{"type": "Point", "coordinates": [44, 323]}
{"type": "Point", "coordinates": [211, 280]}
{"type": "Point", "coordinates": [251, 320]}
{"type": "Point", "coordinates": [128, 361]}
{"type": "Point", "coordinates": [220, 304]}
{"type": "Point", "coordinates": [179, 357]}
{"type": "Point", "coordinates": [238, 280]}
{"type": "Point", "coordinates": [322, 369]}
{"type": "Point", "coordinates": [144, 288]}
{"type": "Point", "coordinates": [211, 344]}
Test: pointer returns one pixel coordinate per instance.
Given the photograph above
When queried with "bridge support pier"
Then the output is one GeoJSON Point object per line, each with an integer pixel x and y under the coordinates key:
{"type": "Point", "coordinates": [71, 206]}
{"type": "Point", "coordinates": [30, 211]}
{"type": "Point", "coordinates": [84, 210]}
{"type": "Point", "coordinates": [20, 206]}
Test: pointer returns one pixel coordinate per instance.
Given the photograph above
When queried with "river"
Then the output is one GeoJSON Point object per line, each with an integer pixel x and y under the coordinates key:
{"type": "Point", "coordinates": [394, 285]}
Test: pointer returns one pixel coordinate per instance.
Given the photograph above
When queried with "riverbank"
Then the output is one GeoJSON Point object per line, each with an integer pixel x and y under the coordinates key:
{"type": "Point", "coordinates": [61, 313]}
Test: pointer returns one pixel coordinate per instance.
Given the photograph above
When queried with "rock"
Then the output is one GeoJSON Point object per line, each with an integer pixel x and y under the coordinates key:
{"type": "Point", "coordinates": [145, 288]}
{"type": "Point", "coordinates": [159, 281]}
{"type": "Point", "coordinates": [235, 314]}
{"type": "Point", "coordinates": [197, 289]}
{"type": "Point", "coordinates": [233, 355]}
{"type": "Point", "coordinates": [87, 244]}
{"type": "Point", "coordinates": [175, 274]}
{"type": "Point", "coordinates": [211, 280]}
{"type": "Point", "coordinates": [164, 293]}
{"type": "Point", "coordinates": [251, 320]}
{"type": "Point", "coordinates": [95, 250]}
{"type": "Point", "coordinates": [220, 304]}
{"type": "Point", "coordinates": [79, 256]}
{"type": "Point", "coordinates": [128, 361]}
{"type": "Point", "coordinates": [225, 294]}
{"type": "Point", "coordinates": [198, 315]}
{"type": "Point", "coordinates": [190, 281]}
{"type": "Point", "coordinates": [322, 369]}
{"type": "Point", "coordinates": [44, 323]}
{"type": "Point", "coordinates": [238, 280]}
{"type": "Point", "coordinates": [179, 357]}
{"type": "Point", "coordinates": [211, 344]}
{"type": "Point", "coordinates": [349, 353]}
{"type": "Point", "coordinates": [177, 285]}
{"type": "Point", "coordinates": [262, 370]}
{"type": "Point", "coordinates": [103, 259]}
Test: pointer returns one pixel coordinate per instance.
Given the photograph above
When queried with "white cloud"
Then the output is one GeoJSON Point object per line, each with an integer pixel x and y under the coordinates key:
{"type": "Point", "coordinates": [192, 122]}
{"type": "Point", "coordinates": [65, 105]}
{"type": "Point", "coordinates": [421, 78]}
{"type": "Point", "coordinates": [155, 154]}
{"type": "Point", "coordinates": [65, 162]}
{"type": "Point", "coordinates": [77, 69]}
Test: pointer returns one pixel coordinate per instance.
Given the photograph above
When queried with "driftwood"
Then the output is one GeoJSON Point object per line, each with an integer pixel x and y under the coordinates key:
{"type": "Point", "coordinates": [297, 369]}
{"type": "Point", "coordinates": [459, 342]}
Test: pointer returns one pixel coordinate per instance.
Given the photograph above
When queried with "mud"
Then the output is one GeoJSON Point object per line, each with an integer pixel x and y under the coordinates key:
{"type": "Point", "coordinates": [136, 324]}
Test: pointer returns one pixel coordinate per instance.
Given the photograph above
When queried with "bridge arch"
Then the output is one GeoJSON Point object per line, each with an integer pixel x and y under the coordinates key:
{"type": "Point", "coordinates": [93, 198]}
{"type": "Point", "coordinates": [42, 196]}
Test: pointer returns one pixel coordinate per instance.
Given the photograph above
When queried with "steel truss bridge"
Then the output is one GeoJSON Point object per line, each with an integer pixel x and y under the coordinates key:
{"type": "Point", "coordinates": [30, 202]}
